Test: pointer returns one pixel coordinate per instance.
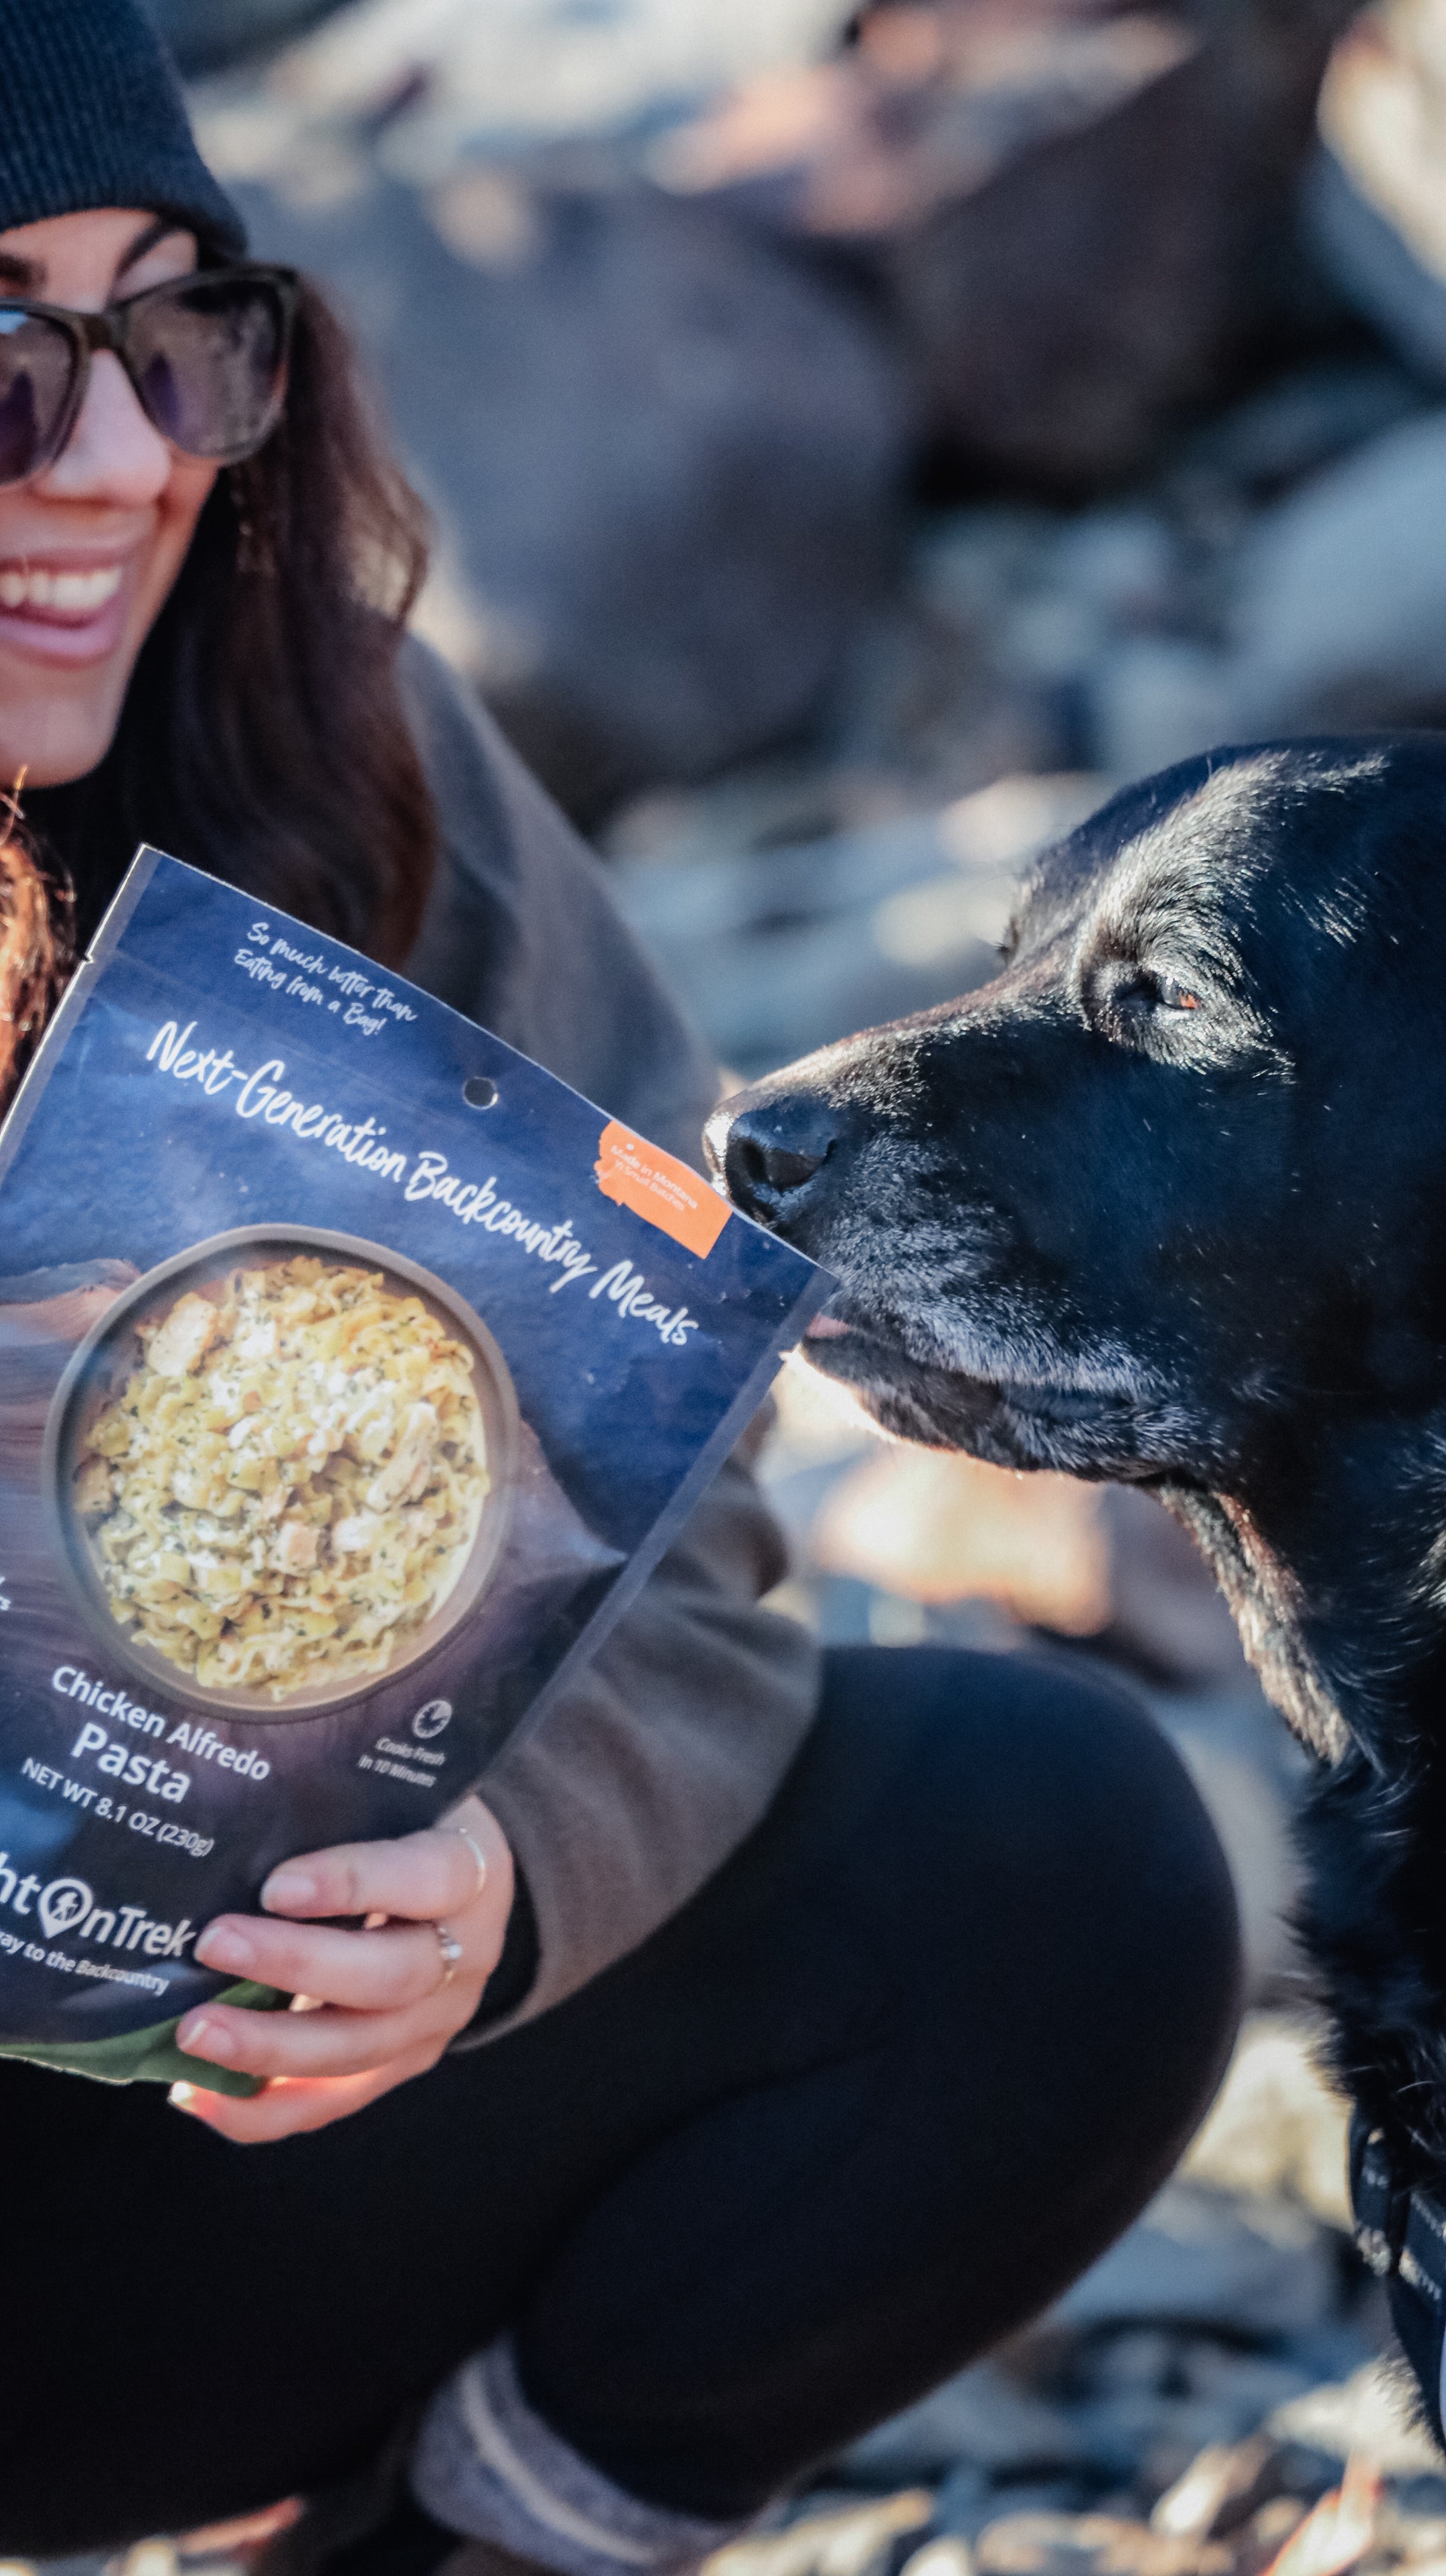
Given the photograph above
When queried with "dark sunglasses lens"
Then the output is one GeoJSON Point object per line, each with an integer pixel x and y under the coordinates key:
{"type": "Point", "coordinates": [210, 363]}
{"type": "Point", "coordinates": [37, 377]}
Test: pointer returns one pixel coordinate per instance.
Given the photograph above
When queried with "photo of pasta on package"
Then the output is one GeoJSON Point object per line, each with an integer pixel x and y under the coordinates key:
{"type": "Point", "coordinates": [281, 1467]}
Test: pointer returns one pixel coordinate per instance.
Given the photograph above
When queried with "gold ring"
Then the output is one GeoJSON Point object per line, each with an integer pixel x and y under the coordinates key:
{"type": "Point", "coordinates": [477, 1854]}
{"type": "Point", "coordinates": [451, 1949]}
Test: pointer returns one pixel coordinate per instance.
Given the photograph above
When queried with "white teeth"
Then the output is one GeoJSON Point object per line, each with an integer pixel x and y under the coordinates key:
{"type": "Point", "coordinates": [80, 594]}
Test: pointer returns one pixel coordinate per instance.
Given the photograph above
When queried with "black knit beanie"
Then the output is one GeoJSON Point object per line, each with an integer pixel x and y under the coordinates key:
{"type": "Point", "coordinates": [91, 114]}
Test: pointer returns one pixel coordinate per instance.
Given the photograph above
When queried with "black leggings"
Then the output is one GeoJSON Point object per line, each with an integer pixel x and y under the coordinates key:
{"type": "Point", "coordinates": [903, 2068]}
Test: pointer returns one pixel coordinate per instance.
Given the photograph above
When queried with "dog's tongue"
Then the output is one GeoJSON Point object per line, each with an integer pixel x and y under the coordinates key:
{"type": "Point", "coordinates": [825, 1328]}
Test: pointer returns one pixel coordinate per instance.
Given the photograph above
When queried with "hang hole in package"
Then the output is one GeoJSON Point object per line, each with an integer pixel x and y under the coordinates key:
{"type": "Point", "coordinates": [354, 1375]}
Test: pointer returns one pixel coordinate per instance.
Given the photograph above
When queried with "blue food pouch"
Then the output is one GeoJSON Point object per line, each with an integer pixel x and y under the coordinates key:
{"type": "Point", "coordinates": [354, 1375]}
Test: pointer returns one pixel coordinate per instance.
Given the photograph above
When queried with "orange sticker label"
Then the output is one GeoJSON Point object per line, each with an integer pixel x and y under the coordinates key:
{"type": "Point", "coordinates": [657, 1186]}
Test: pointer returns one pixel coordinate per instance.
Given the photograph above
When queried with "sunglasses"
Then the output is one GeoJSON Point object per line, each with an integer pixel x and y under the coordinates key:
{"type": "Point", "coordinates": [206, 355]}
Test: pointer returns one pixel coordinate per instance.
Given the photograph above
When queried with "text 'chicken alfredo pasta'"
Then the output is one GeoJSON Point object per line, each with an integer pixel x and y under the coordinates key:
{"type": "Point", "coordinates": [291, 1481]}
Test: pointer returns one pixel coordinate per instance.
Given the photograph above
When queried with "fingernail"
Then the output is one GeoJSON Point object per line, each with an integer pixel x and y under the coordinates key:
{"type": "Point", "coordinates": [288, 1887]}
{"type": "Point", "coordinates": [198, 2037]}
{"type": "Point", "coordinates": [221, 1946]}
{"type": "Point", "coordinates": [181, 2097]}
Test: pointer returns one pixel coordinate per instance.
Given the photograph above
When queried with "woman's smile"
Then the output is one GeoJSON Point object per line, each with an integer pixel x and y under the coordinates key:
{"type": "Point", "coordinates": [64, 606]}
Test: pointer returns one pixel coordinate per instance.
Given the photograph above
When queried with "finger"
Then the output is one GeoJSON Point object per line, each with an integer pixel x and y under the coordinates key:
{"type": "Point", "coordinates": [328, 2042]}
{"type": "Point", "coordinates": [369, 1971]}
{"type": "Point", "coordinates": [290, 2109]}
{"type": "Point", "coordinates": [250, 2531]}
{"type": "Point", "coordinates": [419, 1876]}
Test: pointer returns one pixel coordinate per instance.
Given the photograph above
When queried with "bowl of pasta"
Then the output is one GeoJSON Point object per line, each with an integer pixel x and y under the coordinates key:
{"type": "Point", "coordinates": [279, 1470]}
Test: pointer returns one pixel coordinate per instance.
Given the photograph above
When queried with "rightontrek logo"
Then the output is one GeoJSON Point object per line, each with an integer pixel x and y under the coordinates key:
{"type": "Point", "coordinates": [68, 1905]}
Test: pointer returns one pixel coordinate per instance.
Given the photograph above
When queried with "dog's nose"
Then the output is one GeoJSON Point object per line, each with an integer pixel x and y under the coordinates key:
{"type": "Point", "coordinates": [766, 1152]}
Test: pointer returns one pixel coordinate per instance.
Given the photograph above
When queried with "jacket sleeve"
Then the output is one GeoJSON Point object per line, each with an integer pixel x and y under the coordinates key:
{"type": "Point", "coordinates": [653, 1767]}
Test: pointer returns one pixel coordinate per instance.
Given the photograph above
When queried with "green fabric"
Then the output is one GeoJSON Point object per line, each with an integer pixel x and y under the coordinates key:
{"type": "Point", "coordinates": [151, 2056]}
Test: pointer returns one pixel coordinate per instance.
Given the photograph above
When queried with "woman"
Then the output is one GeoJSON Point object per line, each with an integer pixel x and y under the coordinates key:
{"type": "Point", "coordinates": [816, 2019]}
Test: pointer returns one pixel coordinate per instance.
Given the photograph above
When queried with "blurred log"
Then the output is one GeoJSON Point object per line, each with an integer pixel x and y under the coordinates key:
{"type": "Point", "coordinates": [937, 1528]}
{"type": "Point", "coordinates": [1084, 1560]}
{"type": "Point", "coordinates": [1084, 217]}
{"type": "Point", "coordinates": [1378, 191]}
{"type": "Point", "coordinates": [1105, 284]}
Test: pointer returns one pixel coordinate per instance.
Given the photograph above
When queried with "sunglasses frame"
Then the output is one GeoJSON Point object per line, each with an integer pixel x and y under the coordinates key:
{"type": "Point", "coordinates": [90, 334]}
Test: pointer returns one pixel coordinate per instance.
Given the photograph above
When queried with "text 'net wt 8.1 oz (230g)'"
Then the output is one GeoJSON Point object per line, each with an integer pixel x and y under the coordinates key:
{"type": "Point", "coordinates": [354, 1374]}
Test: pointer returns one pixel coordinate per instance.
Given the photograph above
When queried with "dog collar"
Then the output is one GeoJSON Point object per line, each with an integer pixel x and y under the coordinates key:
{"type": "Point", "coordinates": [1401, 2237]}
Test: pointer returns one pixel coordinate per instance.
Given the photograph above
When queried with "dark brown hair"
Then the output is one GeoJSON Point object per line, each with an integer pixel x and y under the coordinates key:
{"type": "Point", "coordinates": [263, 736]}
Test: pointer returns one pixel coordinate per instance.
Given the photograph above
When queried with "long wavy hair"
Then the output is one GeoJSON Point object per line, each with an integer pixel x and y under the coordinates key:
{"type": "Point", "coordinates": [263, 736]}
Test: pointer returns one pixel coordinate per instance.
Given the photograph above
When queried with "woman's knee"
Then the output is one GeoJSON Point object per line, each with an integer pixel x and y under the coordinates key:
{"type": "Point", "coordinates": [1054, 1885]}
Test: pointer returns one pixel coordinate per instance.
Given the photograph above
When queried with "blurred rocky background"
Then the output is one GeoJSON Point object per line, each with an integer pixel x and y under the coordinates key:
{"type": "Point", "coordinates": [858, 439]}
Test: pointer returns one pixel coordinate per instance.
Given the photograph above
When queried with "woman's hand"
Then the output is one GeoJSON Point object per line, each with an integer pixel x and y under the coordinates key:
{"type": "Point", "coordinates": [379, 2006]}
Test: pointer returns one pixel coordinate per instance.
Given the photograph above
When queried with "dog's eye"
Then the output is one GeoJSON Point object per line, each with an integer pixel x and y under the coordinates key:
{"type": "Point", "coordinates": [1175, 997]}
{"type": "Point", "coordinates": [1130, 995]}
{"type": "Point", "coordinates": [1146, 993]}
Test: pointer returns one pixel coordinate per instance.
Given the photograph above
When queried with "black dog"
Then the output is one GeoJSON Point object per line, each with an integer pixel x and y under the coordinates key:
{"type": "Point", "coordinates": [1167, 1202]}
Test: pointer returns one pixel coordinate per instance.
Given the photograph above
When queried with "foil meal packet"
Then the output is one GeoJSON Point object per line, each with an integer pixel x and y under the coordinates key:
{"type": "Point", "coordinates": [354, 1375]}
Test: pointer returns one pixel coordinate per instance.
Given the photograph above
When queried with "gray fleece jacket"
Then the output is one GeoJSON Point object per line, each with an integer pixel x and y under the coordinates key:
{"type": "Point", "coordinates": [649, 1772]}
